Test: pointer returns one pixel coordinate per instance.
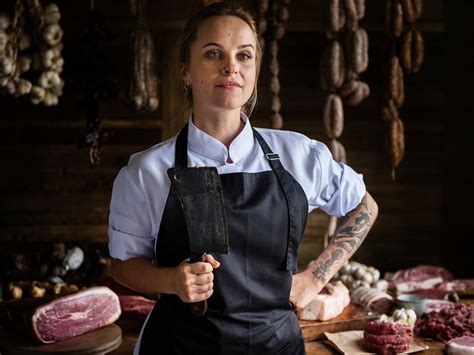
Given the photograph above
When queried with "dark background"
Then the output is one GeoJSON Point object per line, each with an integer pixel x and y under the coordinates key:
{"type": "Point", "coordinates": [49, 192]}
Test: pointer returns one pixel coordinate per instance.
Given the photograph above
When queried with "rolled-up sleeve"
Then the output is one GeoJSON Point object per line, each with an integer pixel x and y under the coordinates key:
{"type": "Point", "coordinates": [130, 226]}
{"type": "Point", "coordinates": [340, 188]}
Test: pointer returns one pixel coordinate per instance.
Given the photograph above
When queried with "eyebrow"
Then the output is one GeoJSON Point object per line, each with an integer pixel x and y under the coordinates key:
{"type": "Point", "coordinates": [218, 45]}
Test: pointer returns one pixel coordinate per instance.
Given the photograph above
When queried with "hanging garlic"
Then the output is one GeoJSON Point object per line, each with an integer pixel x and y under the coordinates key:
{"type": "Point", "coordinates": [3, 81]}
{"type": "Point", "coordinates": [23, 63]}
{"type": "Point", "coordinates": [24, 42]}
{"type": "Point", "coordinates": [57, 89]}
{"type": "Point", "coordinates": [52, 34]}
{"type": "Point", "coordinates": [52, 60]}
{"type": "Point", "coordinates": [4, 21]}
{"type": "Point", "coordinates": [49, 79]}
{"type": "Point", "coordinates": [52, 14]}
{"type": "Point", "coordinates": [3, 40]}
{"type": "Point", "coordinates": [22, 87]}
{"type": "Point", "coordinates": [6, 66]}
{"type": "Point", "coordinates": [37, 94]}
{"type": "Point", "coordinates": [50, 99]}
{"type": "Point", "coordinates": [10, 86]}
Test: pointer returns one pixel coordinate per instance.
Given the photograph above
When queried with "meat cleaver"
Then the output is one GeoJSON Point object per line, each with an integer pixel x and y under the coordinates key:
{"type": "Point", "coordinates": [200, 193]}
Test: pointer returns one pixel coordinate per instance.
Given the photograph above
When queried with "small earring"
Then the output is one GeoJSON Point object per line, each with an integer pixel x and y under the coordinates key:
{"type": "Point", "coordinates": [186, 88]}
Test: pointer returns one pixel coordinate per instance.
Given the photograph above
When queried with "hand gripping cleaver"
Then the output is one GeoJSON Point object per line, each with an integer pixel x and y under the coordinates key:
{"type": "Point", "coordinates": [200, 193]}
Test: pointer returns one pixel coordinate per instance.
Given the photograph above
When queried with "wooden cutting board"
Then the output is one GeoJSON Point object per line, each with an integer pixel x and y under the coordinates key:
{"type": "Point", "coordinates": [353, 317]}
{"type": "Point", "coordinates": [100, 341]}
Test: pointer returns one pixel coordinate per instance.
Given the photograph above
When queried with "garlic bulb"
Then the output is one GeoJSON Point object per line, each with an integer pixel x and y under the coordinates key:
{"type": "Point", "coordinates": [52, 60]}
{"type": "Point", "coordinates": [3, 40]}
{"type": "Point", "coordinates": [23, 87]}
{"type": "Point", "coordinates": [6, 66]}
{"type": "Point", "coordinates": [50, 99]}
{"type": "Point", "coordinates": [404, 316]}
{"type": "Point", "coordinates": [52, 14]}
{"type": "Point", "coordinates": [4, 21]}
{"type": "Point", "coordinates": [24, 42]}
{"type": "Point", "coordinates": [74, 258]}
{"type": "Point", "coordinates": [382, 285]}
{"type": "Point", "coordinates": [37, 94]}
{"type": "Point", "coordinates": [49, 79]}
{"type": "Point", "coordinates": [52, 34]}
{"type": "Point", "coordinates": [57, 89]}
{"type": "Point", "coordinates": [23, 63]}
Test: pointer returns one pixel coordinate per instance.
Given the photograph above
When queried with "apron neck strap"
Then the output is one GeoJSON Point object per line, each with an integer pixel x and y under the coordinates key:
{"type": "Point", "coordinates": [181, 152]}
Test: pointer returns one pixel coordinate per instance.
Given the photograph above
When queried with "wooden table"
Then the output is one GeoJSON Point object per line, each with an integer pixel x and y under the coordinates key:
{"type": "Point", "coordinates": [131, 329]}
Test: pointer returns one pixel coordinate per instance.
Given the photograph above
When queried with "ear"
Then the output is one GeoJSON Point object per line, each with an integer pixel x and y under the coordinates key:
{"type": "Point", "coordinates": [185, 74]}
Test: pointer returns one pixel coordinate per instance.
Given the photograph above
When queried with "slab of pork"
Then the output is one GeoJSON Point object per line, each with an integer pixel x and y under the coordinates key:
{"type": "Point", "coordinates": [329, 303]}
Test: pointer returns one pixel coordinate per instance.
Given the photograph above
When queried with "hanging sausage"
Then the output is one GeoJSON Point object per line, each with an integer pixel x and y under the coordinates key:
{"type": "Point", "coordinates": [344, 58]}
{"type": "Point", "coordinates": [277, 17]}
{"type": "Point", "coordinates": [405, 55]}
{"type": "Point", "coordinates": [143, 88]}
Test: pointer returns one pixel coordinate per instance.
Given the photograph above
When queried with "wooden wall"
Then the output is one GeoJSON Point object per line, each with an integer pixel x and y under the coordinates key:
{"type": "Point", "coordinates": [49, 191]}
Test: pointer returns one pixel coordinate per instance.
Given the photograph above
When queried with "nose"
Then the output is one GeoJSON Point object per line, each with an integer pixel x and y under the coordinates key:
{"type": "Point", "coordinates": [230, 67]}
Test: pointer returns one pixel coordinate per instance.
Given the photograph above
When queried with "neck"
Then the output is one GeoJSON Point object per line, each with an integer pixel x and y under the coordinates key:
{"type": "Point", "coordinates": [222, 125]}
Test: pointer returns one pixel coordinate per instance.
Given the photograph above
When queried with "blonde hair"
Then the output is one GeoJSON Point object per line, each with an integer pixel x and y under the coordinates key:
{"type": "Point", "coordinates": [189, 34]}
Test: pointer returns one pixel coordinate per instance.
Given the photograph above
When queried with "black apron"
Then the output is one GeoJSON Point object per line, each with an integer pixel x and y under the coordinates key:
{"type": "Point", "coordinates": [249, 311]}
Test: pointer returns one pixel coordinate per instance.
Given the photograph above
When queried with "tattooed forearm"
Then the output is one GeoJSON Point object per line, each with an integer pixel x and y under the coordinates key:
{"type": "Point", "coordinates": [351, 231]}
{"type": "Point", "coordinates": [321, 271]}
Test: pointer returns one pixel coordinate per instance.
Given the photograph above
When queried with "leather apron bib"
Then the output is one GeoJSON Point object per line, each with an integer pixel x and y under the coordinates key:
{"type": "Point", "coordinates": [249, 311]}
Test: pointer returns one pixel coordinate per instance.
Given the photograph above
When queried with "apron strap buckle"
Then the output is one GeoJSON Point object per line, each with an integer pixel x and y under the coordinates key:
{"type": "Point", "coordinates": [272, 156]}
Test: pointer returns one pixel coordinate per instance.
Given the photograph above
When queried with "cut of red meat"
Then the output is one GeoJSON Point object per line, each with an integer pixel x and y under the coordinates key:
{"type": "Point", "coordinates": [448, 323]}
{"type": "Point", "coordinates": [420, 277]}
{"type": "Point", "coordinates": [421, 273]}
{"type": "Point", "coordinates": [75, 314]}
{"type": "Point", "coordinates": [387, 337]}
{"type": "Point", "coordinates": [135, 305]}
{"type": "Point", "coordinates": [460, 346]}
{"type": "Point", "coordinates": [386, 349]}
{"type": "Point", "coordinates": [387, 328]}
{"type": "Point", "coordinates": [437, 305]}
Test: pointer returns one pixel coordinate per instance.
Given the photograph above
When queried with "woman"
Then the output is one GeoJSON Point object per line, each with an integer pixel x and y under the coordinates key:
{"type": "Point", "coordinates": [271, 180]}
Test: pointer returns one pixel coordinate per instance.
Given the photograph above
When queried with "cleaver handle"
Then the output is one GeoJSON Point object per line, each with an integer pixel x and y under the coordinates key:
{"type": "Point", "coordinates": [197, 308]}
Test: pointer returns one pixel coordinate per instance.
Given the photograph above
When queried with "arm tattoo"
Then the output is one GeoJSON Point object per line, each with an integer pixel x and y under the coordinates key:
{"type": "Point", "coordinates": [351, 231]}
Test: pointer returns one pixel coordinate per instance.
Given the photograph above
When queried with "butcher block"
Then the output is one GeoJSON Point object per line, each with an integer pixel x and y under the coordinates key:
{"type": "Point", "coordinates": [353, 317]}
{"type": "Point", "coordinates": [99, 341]}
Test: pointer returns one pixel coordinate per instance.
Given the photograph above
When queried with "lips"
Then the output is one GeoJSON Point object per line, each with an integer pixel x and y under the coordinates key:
{"type": "Point", "coordinates": [229, 84]}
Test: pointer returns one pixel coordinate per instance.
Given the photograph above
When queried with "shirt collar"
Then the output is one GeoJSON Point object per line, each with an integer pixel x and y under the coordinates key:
{"type": "Point", "coordinates": [202, 143]}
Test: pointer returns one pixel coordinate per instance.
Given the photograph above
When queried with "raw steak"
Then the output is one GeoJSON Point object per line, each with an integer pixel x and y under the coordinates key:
{"type": "Point", "coordinates": [420, 277]}
{"type": "Point", "coordinates": [75, 314]}
{"type": "Point", "coordinates": [329, 303]}
{"type": "Point", "coordinates": [460, 285]}
{"type": "Point", "coordinates": [135, 305]}
{"type": "Point", "coordinates": [460, 346]}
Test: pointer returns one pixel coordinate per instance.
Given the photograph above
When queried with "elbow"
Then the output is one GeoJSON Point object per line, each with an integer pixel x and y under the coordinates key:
{"type": "Point", "coordinates": [372, 207]}
{"type": "Point", "coordinates": [115, 269]}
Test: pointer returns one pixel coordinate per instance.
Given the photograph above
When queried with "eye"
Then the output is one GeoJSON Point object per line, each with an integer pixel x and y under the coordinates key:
{"type": "Point", "coordinates": [245, 56]}
{"type": "Point", "coordinates": [214, 54]}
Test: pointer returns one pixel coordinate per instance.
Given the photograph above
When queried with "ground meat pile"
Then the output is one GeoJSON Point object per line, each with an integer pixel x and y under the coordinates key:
{"type": "Point", "coordinates": [448, 323]}
{"type": "Point", "coordinates": [387, 337]}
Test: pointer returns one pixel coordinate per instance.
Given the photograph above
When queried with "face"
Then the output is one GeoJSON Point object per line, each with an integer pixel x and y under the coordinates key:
{"type": "Point", "coordinates": [222, 65]}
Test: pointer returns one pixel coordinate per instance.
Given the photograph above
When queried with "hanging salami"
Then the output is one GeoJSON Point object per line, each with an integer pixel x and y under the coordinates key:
{"type": "Point", "coordinates": [143, 87]}
{"type": "Point", "coordinates": [277, 16]}
{"type": "Point", "coordinates": [340, 66]}
{"type": "Point", "coordinates": [405, 56]}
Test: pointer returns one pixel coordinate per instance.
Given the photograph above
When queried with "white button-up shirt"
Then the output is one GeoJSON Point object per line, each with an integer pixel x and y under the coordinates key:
{"type": "Point", "coordinates": [141, 188]}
